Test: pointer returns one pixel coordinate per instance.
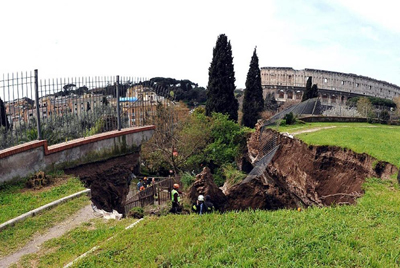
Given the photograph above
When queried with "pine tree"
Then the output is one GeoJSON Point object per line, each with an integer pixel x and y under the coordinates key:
{"type": "Point", "coordinates": [253, 102]}
{"type": "Point", "coordinates": [221, 81]}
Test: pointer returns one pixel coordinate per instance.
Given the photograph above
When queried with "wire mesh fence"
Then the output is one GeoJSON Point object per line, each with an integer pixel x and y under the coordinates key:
{"type": "Point", "coordinates": [59, 110]}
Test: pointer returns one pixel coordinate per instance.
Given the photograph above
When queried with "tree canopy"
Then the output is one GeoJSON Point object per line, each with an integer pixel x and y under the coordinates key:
{"type": "Point", "coordinates": [221, 81]}
{"type": "Point", "coordinates": [183, 90]}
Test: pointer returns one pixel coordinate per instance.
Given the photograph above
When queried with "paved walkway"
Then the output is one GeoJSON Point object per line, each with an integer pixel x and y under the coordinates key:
{"type": "Point", "coordinates": [83, 215]}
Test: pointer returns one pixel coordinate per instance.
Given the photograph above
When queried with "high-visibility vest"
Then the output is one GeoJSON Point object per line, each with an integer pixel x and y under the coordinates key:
{"type": "Point", "coordinates": [172, 195]}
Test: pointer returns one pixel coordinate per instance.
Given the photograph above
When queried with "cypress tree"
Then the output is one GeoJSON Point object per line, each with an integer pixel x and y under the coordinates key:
{"type": "Point", "coordinates": [221, 81]}
{"type": "Point", "coordinates": [311, 91]}
{"type": "Point", "coordinates": [3, 115]}
{"type": "Point", "coordinates": [314, 91]}
{"type": "Point", "coordinates": [253, 102]}
{"type": "Point", "coordinates": [307, 92]}
{"type": "Point", "coordinates": [270, 103]}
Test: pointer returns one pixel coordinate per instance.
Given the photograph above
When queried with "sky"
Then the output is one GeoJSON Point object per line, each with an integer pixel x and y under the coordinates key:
{"type": "Point", "coordinates": [174, 38]}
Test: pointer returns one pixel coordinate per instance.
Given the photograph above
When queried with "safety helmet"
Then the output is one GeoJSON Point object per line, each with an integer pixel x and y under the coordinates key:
{"type": "Point", "coordinates": [201, 197]}
{"type": "Point", "coordinates": [176, 186]}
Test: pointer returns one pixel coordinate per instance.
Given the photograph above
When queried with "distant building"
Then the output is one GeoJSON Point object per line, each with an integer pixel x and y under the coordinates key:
{"type": "Point", "coordinates": [140, 103]}
{"type": "Point", "coordinates": [288, 84]}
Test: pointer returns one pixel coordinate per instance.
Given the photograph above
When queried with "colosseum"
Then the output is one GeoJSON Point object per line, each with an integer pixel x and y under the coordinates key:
{"type": "Point", "coordinates": [288, 84]}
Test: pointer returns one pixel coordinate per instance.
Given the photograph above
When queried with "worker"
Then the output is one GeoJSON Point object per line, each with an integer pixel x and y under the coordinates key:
{"type": "Point", "coordinates": [176, 199]}
{"type": "Point", "coordinates": [209, 204]}
{"type": "Point", "coordinates": [199, 207]}
{"type": "Point", "coordinates": [131, 176]}
{"type": "Point", "coordinates": [139, 184]}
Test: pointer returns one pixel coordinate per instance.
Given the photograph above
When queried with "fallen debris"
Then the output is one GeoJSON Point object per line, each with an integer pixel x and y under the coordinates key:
{"type": "Point", "coordinates": [100, 213]}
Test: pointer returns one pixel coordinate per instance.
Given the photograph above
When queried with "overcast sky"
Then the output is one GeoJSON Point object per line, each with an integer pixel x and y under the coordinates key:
{"type": "Point", "coordinates": [176, 38]}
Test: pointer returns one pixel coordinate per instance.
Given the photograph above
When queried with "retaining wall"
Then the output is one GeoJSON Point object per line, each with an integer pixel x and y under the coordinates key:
{"type": "Point", "coordinates": [23, 160]}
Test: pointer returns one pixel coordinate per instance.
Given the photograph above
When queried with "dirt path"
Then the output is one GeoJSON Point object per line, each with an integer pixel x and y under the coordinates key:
{"type": "Point", "coordinates": [310, 130]}
{"type": "Point", "coordinates": [83, 215]}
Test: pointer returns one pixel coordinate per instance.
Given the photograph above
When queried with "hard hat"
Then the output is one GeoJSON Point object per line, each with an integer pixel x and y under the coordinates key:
{"type": "Point", "coordinates": [201, 197]}
{"type": "Point", "coordinates": [176, 186]}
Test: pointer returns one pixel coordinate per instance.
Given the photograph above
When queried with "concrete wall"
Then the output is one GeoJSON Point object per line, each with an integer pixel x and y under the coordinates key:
{"type": "Point", "coordinates": [288, 81]}
{"type": "Point", "coordinates": [23, 160]}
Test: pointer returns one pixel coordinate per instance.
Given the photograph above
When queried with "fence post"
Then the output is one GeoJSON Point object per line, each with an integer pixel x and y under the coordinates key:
{"type": "Point", "coordinates": [39, 130]}
{"type": "Point", "coordinates": [118, 105]}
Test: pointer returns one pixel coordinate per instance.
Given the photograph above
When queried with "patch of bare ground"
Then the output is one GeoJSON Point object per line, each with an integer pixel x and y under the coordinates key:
{"type": "Point", "coordinates": [107, 180]}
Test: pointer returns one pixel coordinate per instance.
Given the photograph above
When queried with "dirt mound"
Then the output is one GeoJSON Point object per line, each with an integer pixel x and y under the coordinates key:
{"type": "Point", "coordinates": [107, 180]}
{"type": "Point", "coordinates": [256, 195]}
{"type": "Point", "coordinates": [204, 184]}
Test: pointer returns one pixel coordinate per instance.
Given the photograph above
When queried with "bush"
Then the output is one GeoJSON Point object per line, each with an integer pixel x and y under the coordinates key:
{"type": "Point", "coordinates": [136, 212]}
{"type": "Point", "coordinates": [187, 179]}
{"type": "Point", "coordinates": [290, 119]}
{"type": "Point", "coordinates": [232, 174]}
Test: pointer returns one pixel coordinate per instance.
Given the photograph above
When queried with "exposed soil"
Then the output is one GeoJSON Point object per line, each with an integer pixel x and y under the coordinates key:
{"type": "Point", "coordinates": [297, 176]}
{"type": "Point", "coordinates": [107, 180]}
{"type": "Point", "coordinates": [302, 175]}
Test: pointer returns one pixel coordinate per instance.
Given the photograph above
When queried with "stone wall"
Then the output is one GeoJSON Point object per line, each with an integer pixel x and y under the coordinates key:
{"type": "Point", "coordinates": [288, 84]}
{"type": "Point", "coordinates": [23, 160]}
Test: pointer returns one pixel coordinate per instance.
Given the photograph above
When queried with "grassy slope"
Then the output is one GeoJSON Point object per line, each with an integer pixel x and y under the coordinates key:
{"type": "Point", "coordinates": [14, 201]}
{"type": "Point", "coordinates": [15, 237]}
{"type": "Point", "coordinates": [365, 235]}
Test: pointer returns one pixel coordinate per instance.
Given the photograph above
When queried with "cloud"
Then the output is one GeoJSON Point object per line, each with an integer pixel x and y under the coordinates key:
{"type": "Point", "coordinates": [369, 33]}
{"type": "Point", "coordinates": [383, 12]}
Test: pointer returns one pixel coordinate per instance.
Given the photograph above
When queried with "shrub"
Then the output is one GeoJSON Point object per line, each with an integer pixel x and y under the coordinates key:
{"type": "Point", "coordinates": [232, 174]}
{"type": "Point", "coordinates": [290, 119]}
{"type": "Point", "coordinates": [136, 212]}
{"type": "Point", "coordinates": [187, 179]}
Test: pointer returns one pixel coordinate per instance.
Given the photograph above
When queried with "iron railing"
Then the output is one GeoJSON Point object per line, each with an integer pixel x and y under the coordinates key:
{"type": "Point", "coordinates": [58, 110]}
{"type": "Point", "coordinates": [158, 193]}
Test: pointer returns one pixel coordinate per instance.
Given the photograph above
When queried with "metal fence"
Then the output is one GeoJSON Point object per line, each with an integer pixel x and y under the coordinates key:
{"type": "Point", "coordinates": [159, 193]}
{"type": "Point", "coordinates": [58, 110]}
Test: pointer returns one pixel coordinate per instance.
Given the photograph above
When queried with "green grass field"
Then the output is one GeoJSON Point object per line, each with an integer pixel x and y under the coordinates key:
{"type": "Point", "coordinates": [363, 235]}
{"type": "Point", "coordinates": [379, 141]}
{"type": "Point", "coordinates": [15, 201]}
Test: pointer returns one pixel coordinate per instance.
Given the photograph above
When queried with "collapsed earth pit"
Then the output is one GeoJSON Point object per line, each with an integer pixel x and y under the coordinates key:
{"type": "Point", "coordinates": [107, 180]}
{"type": "Point", "coordinates": [298, 175]}
{"type": "Point", "coordinates": [303, 175]}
